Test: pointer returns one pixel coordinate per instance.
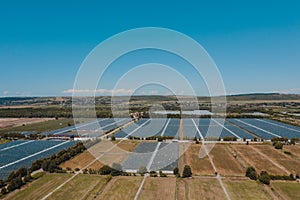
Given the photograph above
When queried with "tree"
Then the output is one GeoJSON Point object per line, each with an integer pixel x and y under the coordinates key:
{"type": "Point", "coordinates": [105, 170]}
{"type": "Point", "coordinates": [264, 178]}
{"type": "Point", "coordinates": [278, 145]}
{"type": "Point", "coordinates": [195, 139]}
{"type": "Point", "coordinates": [36, 165]}
{"type": "Point", "coordinates": [251, 173]}
{"type": "Point", "coordinates": [27, 178]}
{"type": "Point", "coordinates": [69, 169]}
{"type": "Point", "coordinates": [22, 171]}
{"type": "Point", "coordinates": [176, 172]}
{"type": "Point", "coordinates": [187, 171]}
{"type": "Point", "coordinates": [153, 174]}
{"type": "Point", "coordinates": [15, 183]}
{"type": "Point", "coordinates": [11, 176]}
{"type": "Point", "coordinates": [161, 174]}
{"type": "Point", "coordinates": [113, 138]}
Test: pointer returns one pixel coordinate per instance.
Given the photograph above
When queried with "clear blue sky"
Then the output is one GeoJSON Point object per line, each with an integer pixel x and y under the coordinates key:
{"type": "Point", "coordinates": [255, 44]}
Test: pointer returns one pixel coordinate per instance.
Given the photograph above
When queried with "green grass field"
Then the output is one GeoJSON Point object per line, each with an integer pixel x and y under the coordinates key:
{"type": "Point", "coordinates": [199, 188]}
{"type": "Point", "coordinates": [290, 190]}
{"type": "Point", "coordinates": [246, 189]}
{"type": "Point", "coordinates": [42, 126]}
{"type": "Point", "coordinates": [83, 186]}
{"type": "Point", "coordinates": [39, 188]}
{"type": "Point", "coordinates": [123, 188]}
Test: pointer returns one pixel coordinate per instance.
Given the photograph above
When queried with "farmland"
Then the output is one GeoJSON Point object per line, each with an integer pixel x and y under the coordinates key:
{"type": "Point", "coordinates": [246, 189]}
{"type": "Point", "coordinates": [40, 187]}
{"type": "Point", "coordinates": [102, 187]}
{"type": "Point", "coordinates": [287, 190]}
{"type": "Point", "coordinates": [158, 188]}
{"type": "Point", "coordinates": [118, 188]}
{"type": "Point", "coordinates": [215, 175]}
{"type": "Point", "coordinates": [254, 159]}
{"type": "Point", "coordinates": [200, 166]}
{"type": "Point", "coordinates": [41, 126]}
{"type": "Point", "coordinates": [203, 188]}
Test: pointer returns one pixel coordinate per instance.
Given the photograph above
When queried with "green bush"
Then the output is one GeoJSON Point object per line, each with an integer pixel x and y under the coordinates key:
{"type": "Point", "coordinates": [187, 171]}
{"type": "Point", "coordinates": [153, 174]}
{"type": "Point", "coordinates": [161, 174]}
{"type": "Point", "coordinates": [278, 145]}
{"type": "Point", "coordinates": [176, 172]}
{"type": "Point", "coordinates": [251, 173]}
{"type": "Point", "coordinates": [113, 138]}
{"type": "Point", "coordinates": [264, 178]}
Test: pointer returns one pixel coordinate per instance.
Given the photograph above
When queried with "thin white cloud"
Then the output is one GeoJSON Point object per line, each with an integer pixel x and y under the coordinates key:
{"type": "Point", "coordinates": [290, 91]}
{"type": "Point", "coordinates": [99, 91]}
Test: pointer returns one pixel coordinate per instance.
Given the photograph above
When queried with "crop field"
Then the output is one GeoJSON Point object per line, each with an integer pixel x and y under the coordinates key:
{"type": "Point", "coordinates": [123, 188]}
{"type": "Point", "coordinates": [256, 160]}
{"type": "Point", "coordinates": [41, 127]}
{"type": "Point", "coordinates": [200, 166]}
{"type": "Point", "coordinates": [13, 122]}
{"type": "Point", "coordinates": [292, 165]}
{"type": "Point", "coordinates": [246, 189]}
{"type": "Point", "coordinates": [83, 184]}
{"type": "Point", "coordinates": [83, 160]}
{"type": "Point", "coordinates": [229, 160]}
{"type": "Point", "coordinates": [158, 188]}
{"type": "Point", "coordinates": [225, 162]}
{"type": "Point", "coordinates": [287, 190]}
{"type": "Point", "coordinates": [14, 155]}
{"type": "Point", "coordinates": [39, 188]}
{"type": "Point", "coordinates": [199, 188]}
{"type": "Point", "coordinates": [294, 149]}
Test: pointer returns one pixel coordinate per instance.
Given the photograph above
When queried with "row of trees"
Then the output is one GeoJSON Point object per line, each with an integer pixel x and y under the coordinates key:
{"type": "Point", "coordinates": [16, 179]}
{"type": "Point", "coordinates": [17, 136]}
{"type": "Point", "coordinates": [265, 178]}
{"type": "Point", "coordinates": [285, 140]}
{"type": "Point", "coordinates": [187, 172]}
{"type": "Point", "coordinates": [158, 138]}
{"type": "Point", "coordinates": [51, 164]}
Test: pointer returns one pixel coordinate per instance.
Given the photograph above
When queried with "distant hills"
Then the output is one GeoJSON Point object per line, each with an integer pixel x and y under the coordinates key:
{"type": "Point", "coordinates": [9, 101]}
{"type": "Point", "coordinates": [263, 96]}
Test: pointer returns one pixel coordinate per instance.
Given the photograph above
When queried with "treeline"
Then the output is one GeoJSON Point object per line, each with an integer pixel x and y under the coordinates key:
{"type": "Point", "coordinates": [39, 112]}
{"type": "Point", "coordinates": [265, 178]}
{"type": "Point", "coordinates": [49, 112]}
{"type": "Point", "coordinates": [159, 138]}
{"type": "Point", "coordinates": [186, 173]}
{"type": "Point", "coordinates": [18, 136]}
{"type": "Point", "coordinates": [115, 170]}
{"type": "Point", "coordinates": [51, 164]}
{"type": "Point", "coordinates": [285, 140]}
{"type": "Point", "coordinates": [16, 179]}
